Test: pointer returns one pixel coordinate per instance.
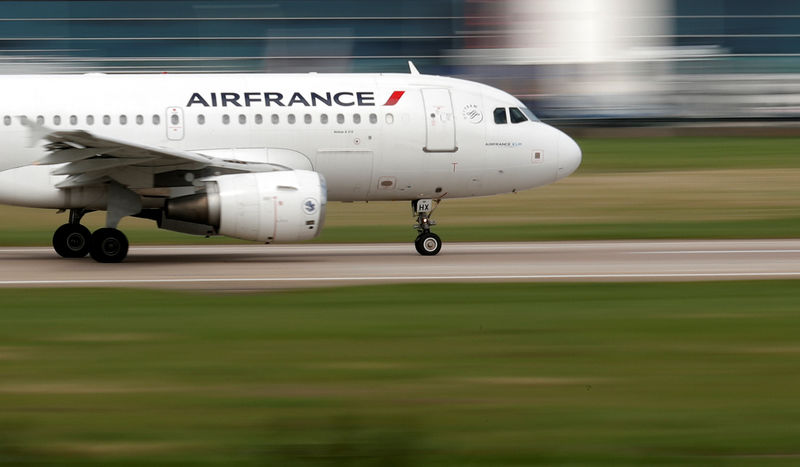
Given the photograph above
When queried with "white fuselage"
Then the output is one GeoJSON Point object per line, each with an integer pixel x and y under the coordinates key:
{"type": "Point", "coordinates": [373, 136]}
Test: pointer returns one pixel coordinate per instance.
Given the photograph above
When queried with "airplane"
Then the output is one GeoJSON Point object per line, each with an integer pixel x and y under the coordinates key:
{"type": "Point", "coordinates": [258, 156]}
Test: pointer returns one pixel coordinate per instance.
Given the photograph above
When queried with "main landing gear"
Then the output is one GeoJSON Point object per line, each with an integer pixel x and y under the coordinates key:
{"type": "Point", "coordinates": [73, 240]}
{"type": "Point", "coordinates": [427, 242]}
{"type": "Point", "coordinates": [108, 245]}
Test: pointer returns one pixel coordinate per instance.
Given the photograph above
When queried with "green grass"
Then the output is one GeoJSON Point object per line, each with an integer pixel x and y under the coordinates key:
{"type": "Point", "coordinates": [477, 374]}
{"type": "Point", "coordinates": [748, 228]}
{"type": "Point", "coordinates": [603, 155]}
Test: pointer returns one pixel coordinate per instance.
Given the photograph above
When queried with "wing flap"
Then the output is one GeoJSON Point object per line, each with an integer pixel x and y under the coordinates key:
{"type": "Point", "coordinates": [91, 159]}
{"type": "Point", "coordinates": [61, 156]}
{"type": "Point", "coordinates": [91, 178]}
{"type": "Point", "coordinates": [97, 163]}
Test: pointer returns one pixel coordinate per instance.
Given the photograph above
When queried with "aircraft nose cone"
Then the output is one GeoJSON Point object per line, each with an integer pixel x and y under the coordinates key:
{"type": "Point", "coordinates": [569, 156]}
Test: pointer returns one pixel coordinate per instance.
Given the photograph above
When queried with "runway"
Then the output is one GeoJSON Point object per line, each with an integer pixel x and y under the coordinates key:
{"type": "Point", "coordinates": [254, 267]}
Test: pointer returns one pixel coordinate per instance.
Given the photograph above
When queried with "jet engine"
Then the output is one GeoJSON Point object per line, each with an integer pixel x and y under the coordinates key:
{"type": "Point", "coordinates": [269, 207]}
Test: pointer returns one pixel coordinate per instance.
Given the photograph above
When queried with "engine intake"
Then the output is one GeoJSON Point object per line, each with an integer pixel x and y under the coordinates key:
{"type": "Point", "coordinates": [270, 207]}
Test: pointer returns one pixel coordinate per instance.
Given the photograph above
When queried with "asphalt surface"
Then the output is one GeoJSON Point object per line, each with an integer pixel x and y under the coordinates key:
{"type": "Point", "coordinates": [253, 267]}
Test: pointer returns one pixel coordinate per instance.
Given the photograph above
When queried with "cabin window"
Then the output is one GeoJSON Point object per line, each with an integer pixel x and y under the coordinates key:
{"type": "Point", "coordinates": [90, 119]}
{"type": "Point", "coordinates": [259, 119]}
{"type": "Point", "coordinates": [73, 119]}
{"type": "Point", "coordinates": [156, 119]}
{"type": "Point", "coordinates": [57, 120]}
{"type": "Point", "coordinates": [139, 119]}
{"type": "Point", "coordinates": [174, 119]}
{"type": "Point", "coordinates": [23, 119]}
{"type": "Point", "coordinates": [373, 118]}
{"type": "Point", "coordinates": [106, 120]}
{"type": "Point", "coordinates": [7, 120]}
{"type": "Point", "coordinates": [323, 119]}
{"type": "Point", "coordinates": [356, 118]}
{"type": "Point", "coordinates": [201, 119]}
{"type": "Point", "coordinates": [123, 119]}
{"type": "Point", "coordinates": [340, 118]}
{"type": "Point", "coordinates": [275, 119]}
{"type": "Point", "coordinates": [389, 119]}
{"type": "Point", "coordinates": [242, 119]}
{"type": "Point", "coordinates": [517, 116]}
{"type": "Point", "coordinates": [291, 119]}
{"type": "Point", "coordinates": [40, 120]}
{"type": "Point", "coordinates": [500, 116]}
{"type": "Point", "coordinates": [226, 119]}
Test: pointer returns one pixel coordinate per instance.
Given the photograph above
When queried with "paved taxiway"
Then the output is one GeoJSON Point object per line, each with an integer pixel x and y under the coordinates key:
{"type": "Point", "coordinates": [242, 267]}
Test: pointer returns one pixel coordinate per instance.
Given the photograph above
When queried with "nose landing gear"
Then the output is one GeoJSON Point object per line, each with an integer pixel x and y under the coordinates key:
{"type": "Point", "coordinates": [427, 243]}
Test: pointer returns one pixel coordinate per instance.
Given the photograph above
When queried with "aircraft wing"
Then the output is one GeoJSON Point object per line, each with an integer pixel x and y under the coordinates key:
{"type": "Point", "coordinates": [89, 159]}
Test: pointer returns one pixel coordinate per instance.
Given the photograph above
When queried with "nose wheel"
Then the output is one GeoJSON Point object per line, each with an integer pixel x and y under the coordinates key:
{"type": "Point", "coordinates": [427, 243]}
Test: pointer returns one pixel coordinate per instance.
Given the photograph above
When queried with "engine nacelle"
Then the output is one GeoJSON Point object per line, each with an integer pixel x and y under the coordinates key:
{"type": "Point", "coordinates": [269, 207]}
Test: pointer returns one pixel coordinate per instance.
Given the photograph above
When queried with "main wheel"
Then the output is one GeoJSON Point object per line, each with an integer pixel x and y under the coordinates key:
{"type": "Point", "coordinates": [109, 246]}
{"type": "Point", "coordinates": [72, 241]}
{"type": "Point", "coordinates": [428, 244]}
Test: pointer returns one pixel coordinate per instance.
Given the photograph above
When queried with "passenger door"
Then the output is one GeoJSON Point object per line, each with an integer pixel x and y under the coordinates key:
{"type": "Point", "coordinates": [439, 122]}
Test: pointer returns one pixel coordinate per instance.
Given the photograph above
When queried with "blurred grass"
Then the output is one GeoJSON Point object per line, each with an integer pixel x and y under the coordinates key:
{"type": "Point", "coordinates": [452, 374]}
{"type": "Point", "coordinates": [687, 187]}
{"type": "Point", "coordinates": [688, 153]}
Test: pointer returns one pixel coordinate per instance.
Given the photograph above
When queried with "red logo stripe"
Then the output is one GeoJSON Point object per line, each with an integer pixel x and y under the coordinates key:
{"type": "Point", "coordinates": [394, 97]}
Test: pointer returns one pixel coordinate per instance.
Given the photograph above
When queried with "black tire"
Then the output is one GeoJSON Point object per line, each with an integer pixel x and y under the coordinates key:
{"type": "Point", "coordinates": [72, 241]}
{"type": "Point", "coordinates": [428, 244]}
{"type": "Point", "coordinates": [109, 246]}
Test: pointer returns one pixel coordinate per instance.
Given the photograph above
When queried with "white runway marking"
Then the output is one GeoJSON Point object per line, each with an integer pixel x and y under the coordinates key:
{"type": "Point", "coordinates": [91, 282]}
{"type": "Point", "coordinates": [709, 252]}
{"type": "Point", "coordinates": [236, 267]}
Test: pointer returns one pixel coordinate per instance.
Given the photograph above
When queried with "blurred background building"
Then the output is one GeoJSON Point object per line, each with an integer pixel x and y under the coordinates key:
{"type": "Point", "coordinates": [582, 61]}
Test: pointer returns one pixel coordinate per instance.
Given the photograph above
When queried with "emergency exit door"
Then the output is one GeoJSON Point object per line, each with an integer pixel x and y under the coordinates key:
{"type": "Point", "coordinates": [174, 123]}
{"type": "Point", "coordinates": [439, 121]}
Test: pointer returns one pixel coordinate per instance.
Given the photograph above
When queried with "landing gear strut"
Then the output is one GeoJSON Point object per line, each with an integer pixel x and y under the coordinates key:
{"type": "Point", "coordinates": [427, 242]}
{"type": "Point", "coordinates": [72, 240]}
{"type": "Point", "coordinates": [106, 245]}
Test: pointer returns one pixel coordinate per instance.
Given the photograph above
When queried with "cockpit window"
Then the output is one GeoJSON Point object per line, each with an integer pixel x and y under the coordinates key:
{"type": "Point", "coordinates": [516, 115]}
{"type": "Point", "coordinates": [528, 113]}
{"type": "Point", "coordinates": [500, 116]}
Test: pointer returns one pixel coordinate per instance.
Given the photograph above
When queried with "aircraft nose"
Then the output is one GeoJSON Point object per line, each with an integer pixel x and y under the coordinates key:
{"type": "Point", "coordinates": [569, 156]}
